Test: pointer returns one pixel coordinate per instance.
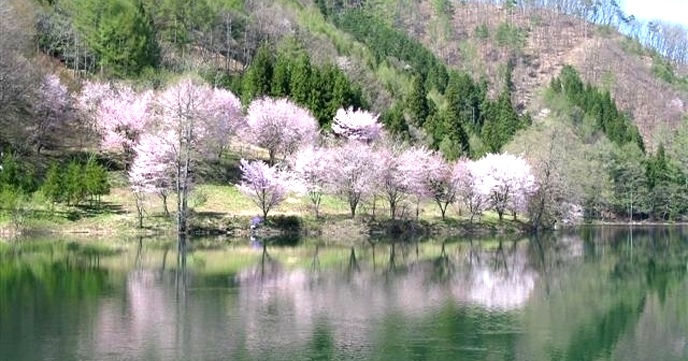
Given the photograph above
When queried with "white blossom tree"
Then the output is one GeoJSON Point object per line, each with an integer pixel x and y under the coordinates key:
{"type": "Point", "coordinates": [310, 166]}
{"type": "Point", "coordinates": [280, 126]}
{"type": "Point", "coordinates": [441, 181]}
{"type": "Point", "coordinates": [351, 170]}
{"type": "Point", "coordinates": [505, 179]}
{"type": "Point", "coordinates": [422, 161]}
{"type": "Point", "coordinates": [265, 185]}
{"type": "Point", "coordinates": [358, 125]}
{"type": "Point", "coordinates": [397, 174]}
{"type": "Point", "coordinates": [181, 114]}
{"type": "Point", "coordinates": [224, 121]}
{"type": "Point", "coordinates": [53, 109]}
{"type": "Point", "coordinates": [470, 189]}
{"type": "Point", "coordinates": [151, 172]}
{"type": "Point", "coordinates": [122, 117]}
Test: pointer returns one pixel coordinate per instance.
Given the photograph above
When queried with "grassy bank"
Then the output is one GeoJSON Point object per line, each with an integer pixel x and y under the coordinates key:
{"type": "Point", "coordinates": [222, 209]}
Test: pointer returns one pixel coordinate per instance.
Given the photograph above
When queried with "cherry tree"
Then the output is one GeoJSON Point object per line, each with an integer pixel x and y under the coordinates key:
{"type": "Point", "coordinates": [280, 126]}
{"type": "Point", "coordinates": [310, 166]}
{"type": "Point", "coordinates": [505, 179]}
{"type": "Point", "coordinates": [91, 95]}
{"type": "Point", "coordinates": [122, 118]}
{"type": "Point", "coordinates": [441, 181]}
{"type": "Point", "coordinates": [397, 174]}
{"type": "Point", "coordinates": [181, 112]}
{"type": "Point", "coordinates": [117, 113]}
{"type": "Point", "coordinates": [421, 161]}
{"type": "Point", "coordinates": [358, 125]}
{"type": "Point", "coordinates": [352, 174]}
{"type": "Point", "coordinates": [53, 110]}
{"type": "Point", "coordinates": [224, 121]}
{"type": "Point", "coordinates": [151, 171]}
{"type": "Point", "coordinates": [265, 185]}
{"type": "Point", "coordinates": [470, 188]}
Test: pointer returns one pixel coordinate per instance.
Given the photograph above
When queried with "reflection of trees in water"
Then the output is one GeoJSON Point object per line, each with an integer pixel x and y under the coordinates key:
{"type": "Point", "coordinates": [594, 300]}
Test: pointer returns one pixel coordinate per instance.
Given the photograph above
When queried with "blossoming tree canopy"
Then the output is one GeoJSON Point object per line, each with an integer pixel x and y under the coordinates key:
{"type": "Point", "coordinates": [311, 165]}
{"type": "Point", "coordinates": [265, 185]}
{"type": "Point", "coordinates": [225, 119]}
{"type": "Point", "coordinates": [352, 172]}
{"type": "Point", "coordinates": [357, 125]}
{"type": "Point", "coordinates": [280, 126]}
{"type": "Point", "coordinates": [505, 179]}
{"type": "Point", "coordinates": [398, 173]}
{"type": "Point", "coordinates": [122, 117]}
{"type": "Point", "coordinates": [53, 110]}
{"type": "Point", "coordinates": [150, 172]}
{"type": "Point", "coordinates": [181, 118]}
{"type": "Point", "coordinates": [91, 95]}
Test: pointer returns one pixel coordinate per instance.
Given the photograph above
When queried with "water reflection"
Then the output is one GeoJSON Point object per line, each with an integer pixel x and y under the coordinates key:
{"type": "Point", "coordinates": [602, 293]}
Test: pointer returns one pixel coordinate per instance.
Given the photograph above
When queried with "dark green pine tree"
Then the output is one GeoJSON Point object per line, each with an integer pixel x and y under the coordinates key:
{"type": "Point", "coordinates": [501, 123]}
{"type": "Point", "coordinates": [121, 34]}
{"type": "Point", "coordinates": [281, 77]}
{"type": "Point", "coordinates": [394, 121]}
{"type": "Point", "coordinates": [318, 94]}
{"type": "Point", "coordinates": [464, 98]}
{"type": "Point", "coordinates": [657, 167]}
{"type": "Point", "coordinates": [300, 81]}
{"type": "Point", "coordinates": [454, 138]}
{"type": "Point", "coordinates": [258, 79]}
{"type": "Point", "coordinates": [417, 103]}
{"type": "Point", "coordinates": [333, 93]}
{"type": "Point", "coordinates": [53, 186]}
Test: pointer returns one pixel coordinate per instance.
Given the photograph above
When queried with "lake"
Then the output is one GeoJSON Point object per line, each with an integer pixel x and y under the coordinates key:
{"type": "Point", "coordinates": [599, 293]}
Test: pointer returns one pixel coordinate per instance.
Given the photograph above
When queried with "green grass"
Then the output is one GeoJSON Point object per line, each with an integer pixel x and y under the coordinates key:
{"type": "Point", "coordinates": [220, 206]}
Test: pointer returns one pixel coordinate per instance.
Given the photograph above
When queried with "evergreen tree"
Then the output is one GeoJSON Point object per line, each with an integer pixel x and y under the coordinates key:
{"type": "Point", "coordinates": [417, 103]}
{"type": "Point", "coordinates": [120, 32]}
{"type": "Point", "coordinates": [95, 180]}
{"type": "Point", "coordinates": [300, 82]}
{"type": "Point", "coordinates": [394, 121]}
{"type": "Point", "coordinates": [257, 81]}
{"type": "Point", "coordinates": [74, 183]}
{"type": "Point", "coordinates": [281, 77]}
{"type": "Point", "coordinates": [454, 140]}
{"type": "Point", "coordinates": [53, 186]}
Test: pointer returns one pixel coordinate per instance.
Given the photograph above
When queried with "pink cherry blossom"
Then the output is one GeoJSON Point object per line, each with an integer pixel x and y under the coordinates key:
{"type": "Point", "coordinates": [280, 126]}
{"type": "Point", "coordinates": [357, 125]}
{"type": "Point", "coordinates": [265, 185]}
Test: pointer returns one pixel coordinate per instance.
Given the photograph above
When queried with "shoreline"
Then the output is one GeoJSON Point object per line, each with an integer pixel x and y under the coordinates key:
{"type": "Point", "coordinates": [330, 227]}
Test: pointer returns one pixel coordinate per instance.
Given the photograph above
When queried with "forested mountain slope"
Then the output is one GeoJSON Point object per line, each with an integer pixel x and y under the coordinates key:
{"type": "Point", "coordinates": [644, 69]}
{"type": "Point", "coordinates": [465, 78]}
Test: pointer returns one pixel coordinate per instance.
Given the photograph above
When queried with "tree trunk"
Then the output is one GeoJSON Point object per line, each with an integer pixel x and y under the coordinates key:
{"type": "Point", "coordinates": [165, 209]}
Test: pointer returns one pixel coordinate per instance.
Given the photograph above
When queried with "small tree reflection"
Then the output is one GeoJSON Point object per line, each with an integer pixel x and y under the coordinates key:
{"type": "Point", "coordinates": [315, 264]}
{"type": "Point", "coordinates": [180, 272]}
{"type": "Point", "coordinates": [353, 262]}
{"type": "Point", "coordinates": [443, 268]}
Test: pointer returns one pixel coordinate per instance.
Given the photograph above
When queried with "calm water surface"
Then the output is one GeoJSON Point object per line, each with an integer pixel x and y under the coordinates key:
{"type": "Point", "coordinates": [597, 294]}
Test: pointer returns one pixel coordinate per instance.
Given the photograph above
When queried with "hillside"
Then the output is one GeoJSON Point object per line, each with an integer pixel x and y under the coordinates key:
{"type": "Point", "coordinates": [480, 38]}
{"type": "Point", "coordinates": [463, 78]}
